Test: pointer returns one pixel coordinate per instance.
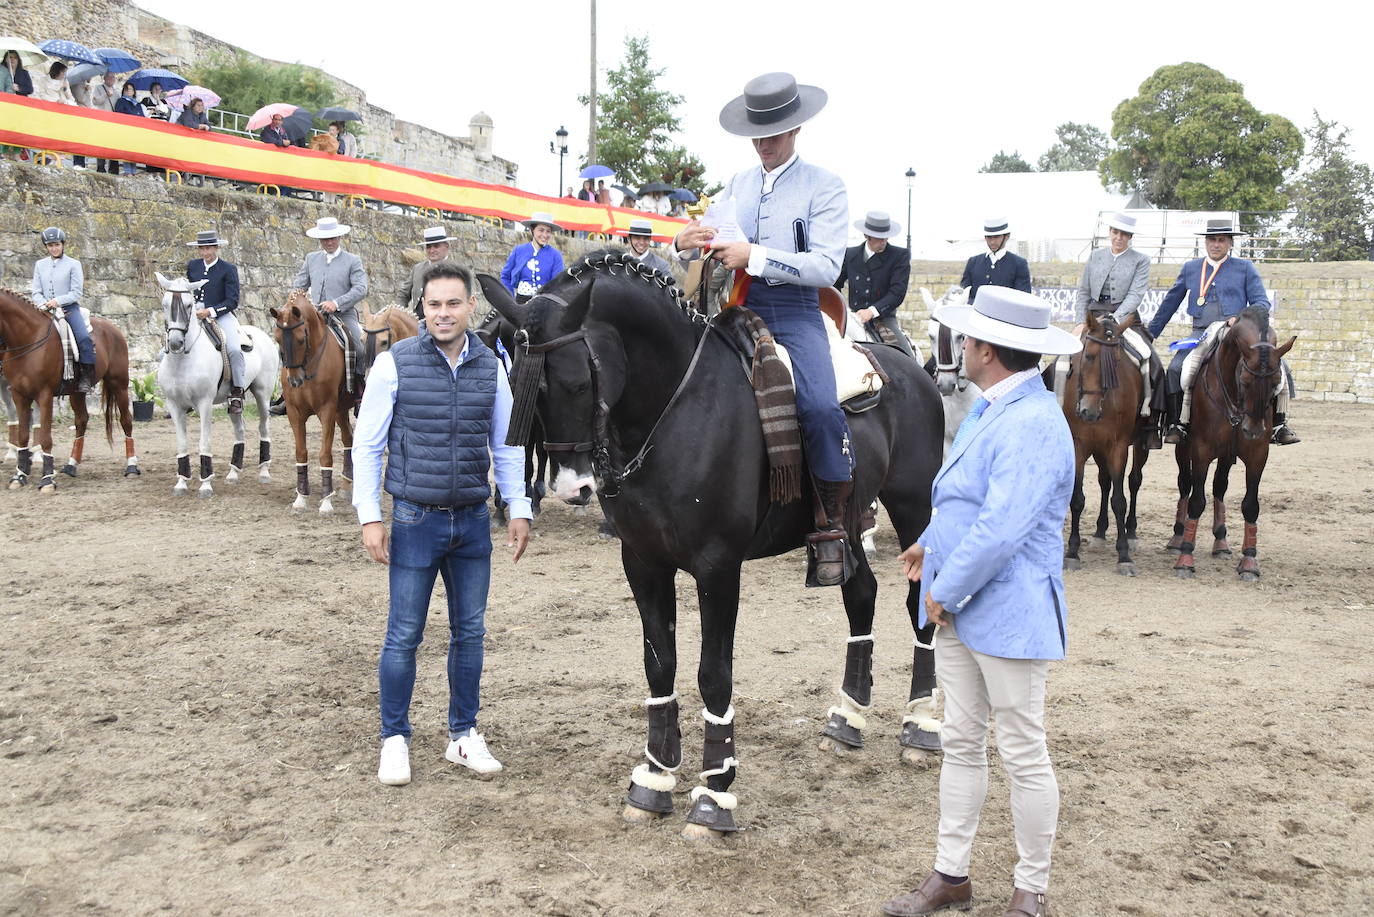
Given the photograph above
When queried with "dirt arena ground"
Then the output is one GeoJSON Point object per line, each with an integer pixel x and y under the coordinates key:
{"type": "Point", "coordinates": [188, 720]}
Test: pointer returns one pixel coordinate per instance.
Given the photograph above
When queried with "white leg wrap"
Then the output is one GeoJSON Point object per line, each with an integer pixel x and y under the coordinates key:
{"type": "Point", "coordinates": [132, 460]}
{"type": "Point", "coordinates": [663, 783]}
{"type": "Point", "coordinates": [660, 701]}
{"type": "Point", "coordinates": [868, 637]}
{"type": "Point", "coordinates": [722, 799]}
{"type": "Point", "coordinates": [719, 720]}
{"type": "Point", "coordinates": [923, 712]}
{"type": "Point", "coordinates": [724, 767]}
{"type": "Point", "coordinates": [851, 711]}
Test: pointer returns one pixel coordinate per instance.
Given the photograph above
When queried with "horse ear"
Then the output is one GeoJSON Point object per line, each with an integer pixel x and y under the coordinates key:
{"type": "Point", "coordinates": [273, 313]}
{"type": "Point", "coordinates": [1287, 347]}
{"type": "Point", "coordinates": [1131, 321]}
{"type": "Point", "coordinates": [502, 301]}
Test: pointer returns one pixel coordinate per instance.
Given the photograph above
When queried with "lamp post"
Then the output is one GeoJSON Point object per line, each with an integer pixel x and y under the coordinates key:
{"type": "Point", "coordinates": [910, 182]}
{"type": "Point", "coordinates": [559, 145]}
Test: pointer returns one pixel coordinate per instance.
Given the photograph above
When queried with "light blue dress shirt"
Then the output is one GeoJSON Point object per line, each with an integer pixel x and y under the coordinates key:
{"type": "Point", "coordinates": [374, 426]}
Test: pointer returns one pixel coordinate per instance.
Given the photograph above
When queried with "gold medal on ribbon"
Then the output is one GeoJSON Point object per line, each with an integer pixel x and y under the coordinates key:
{"type": "Point", "coordinates": [1202, 300]}
{"type": "Point", "coordinates": [1207, 281]}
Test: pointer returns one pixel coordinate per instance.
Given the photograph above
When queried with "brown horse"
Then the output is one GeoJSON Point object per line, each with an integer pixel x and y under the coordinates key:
{"type": "Point", "coordinates": [383, 330]}
{"type": "Point", "coordinates": [1232, 419]}
{"type": "Point", "coordinates": [1101, 403]}
{"type": "Point", "coordinates": [312, 382]}
{"type": "Point", "coordinates": [31, 359]}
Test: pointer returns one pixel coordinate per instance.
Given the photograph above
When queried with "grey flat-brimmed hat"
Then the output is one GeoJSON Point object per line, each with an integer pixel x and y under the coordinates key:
{"type": "Point", "coordinates": [540, 217]}
{"type": "Point", "coordinates": [206, 237]}
{"type": "Point", "coordinates": [1223, 227]}
{"type": "Point", "coordinates": [640, 228]}
{"type": "Point", "coordinates": [436, 234]}
{"type": "Point", "coordinates": [772, 104]}
{"type": "Point", "coordinates": [1011, 318]}
{"type": "Point", "coordinates": [328, 228]}
{"type": "Point", "coordinates": [878, 224]}
{"type": "Point", "coordinates": [1123, 222]}
{"type": "Point", "coordinates": [996, 226]}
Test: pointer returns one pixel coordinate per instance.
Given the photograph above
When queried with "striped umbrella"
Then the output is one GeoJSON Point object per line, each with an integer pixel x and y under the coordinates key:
{"type": "Point", "coordinates": [69, 50]}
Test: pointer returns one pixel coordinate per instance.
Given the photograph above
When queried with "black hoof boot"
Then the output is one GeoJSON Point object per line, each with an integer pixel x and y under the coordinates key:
{"type": "Point", "coordinates": [706, 813]}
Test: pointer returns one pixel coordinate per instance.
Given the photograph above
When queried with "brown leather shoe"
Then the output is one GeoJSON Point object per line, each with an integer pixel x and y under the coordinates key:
{"type": "Point", "coordinates": [934, 894]}
{"type": "Point", "coordinates": [1027, 904]}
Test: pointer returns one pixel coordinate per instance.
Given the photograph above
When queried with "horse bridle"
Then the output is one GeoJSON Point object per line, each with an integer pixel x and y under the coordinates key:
{"type": "Point", "coordinates": [1109, 376]}
{"type": "Point", "coordinates": [24, 350]}
{"type": "Point", "coordinates": [179, 303]}
{"type": "Point", "coordinates": [288, 348]}
{"type": "Point", "coordinates": [945, 361]}
{"type": "Point", "coordinates": [1236, 413]}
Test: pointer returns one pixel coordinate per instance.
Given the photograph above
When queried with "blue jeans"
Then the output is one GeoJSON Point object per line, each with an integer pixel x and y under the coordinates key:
{"type": "Point", "coordinates": [455, 544]}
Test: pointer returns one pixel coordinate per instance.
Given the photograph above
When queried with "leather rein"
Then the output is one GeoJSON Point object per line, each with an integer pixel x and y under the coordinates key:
{"type": "Point", "coordinates": [1235, 412]}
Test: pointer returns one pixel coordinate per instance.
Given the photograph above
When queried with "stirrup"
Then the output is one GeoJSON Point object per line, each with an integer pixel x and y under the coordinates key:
{"type": "Point", "coordinates": [1177, 434]}
{"type": "Point", "coordinates": [822, 548]}
{"type": "Point", "coordinates": [1284, 436]}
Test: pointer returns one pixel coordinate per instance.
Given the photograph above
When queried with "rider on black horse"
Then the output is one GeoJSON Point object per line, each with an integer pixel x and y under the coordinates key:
{"type": "Point", "coordinates": [790, 241]}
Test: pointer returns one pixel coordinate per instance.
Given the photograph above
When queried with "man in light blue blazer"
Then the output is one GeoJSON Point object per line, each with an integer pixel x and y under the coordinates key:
{"type": "Point", "coordinates": [989, 566]}
{"type": "Point", "coordinates": [336, 279]}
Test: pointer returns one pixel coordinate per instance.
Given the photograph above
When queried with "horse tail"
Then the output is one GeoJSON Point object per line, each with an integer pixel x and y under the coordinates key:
{"type": "Point", "coordinates": [108, 403]}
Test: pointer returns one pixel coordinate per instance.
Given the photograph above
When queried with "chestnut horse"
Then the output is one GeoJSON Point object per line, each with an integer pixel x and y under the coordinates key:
{"type": "Point", "coordinates": [312, 382]}
{"type": "Point", "coordinates": [383, 330]}
{"type": "Point", "coordinates": [31, 360]}
{"type": "Point", "coordinates": [1101, 403]}
{"type": "Point", "coordinates": [1232, 419]}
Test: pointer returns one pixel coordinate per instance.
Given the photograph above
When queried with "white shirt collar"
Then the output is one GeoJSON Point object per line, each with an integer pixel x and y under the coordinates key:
{"type": "Point", "coordinates": [1216, 264]}
{"type": "Point", "coordinates": [330, 256]}
{"type": "Point", "coordinates": [210, 264]}
{"type": "Point", "coordinates": [1009, 383]}
{"type": "Point", "coordinates": [770, 177]}
{"type": "Point", "coordinates": [997, 255]}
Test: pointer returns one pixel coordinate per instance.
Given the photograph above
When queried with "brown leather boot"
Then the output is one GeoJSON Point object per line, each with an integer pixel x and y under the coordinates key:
{"type": "Point", "coordinates": [831, 563]}
{"type": "Point", "coordinates": [1027, 904]}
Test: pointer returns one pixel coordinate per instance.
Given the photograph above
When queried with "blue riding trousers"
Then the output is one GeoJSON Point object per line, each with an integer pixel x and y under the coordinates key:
{"type": "Point", "coordinates": [85, 347]}
{"type": "Point", "coordinates": [824, 430]}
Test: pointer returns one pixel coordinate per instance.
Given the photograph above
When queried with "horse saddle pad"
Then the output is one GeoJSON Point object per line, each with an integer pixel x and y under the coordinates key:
{"type": "Point", "coordinates": [213, 330]}
{"type": "Point", "coordinates": [858, 377]}
{"type": "Point", "coordinates": [68, 338]}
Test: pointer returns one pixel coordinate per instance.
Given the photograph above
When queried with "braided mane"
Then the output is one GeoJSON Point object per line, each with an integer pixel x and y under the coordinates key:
{"type": "Point", "coordinates": [607, 260]}
{"type": "Point", "coordinates": [22, 297]}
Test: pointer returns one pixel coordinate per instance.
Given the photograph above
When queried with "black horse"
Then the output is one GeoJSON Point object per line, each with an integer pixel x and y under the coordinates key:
{"type": "Point", "coordinates": [651, 404]}
{"type": "Point", "coordinates": [496, 329]}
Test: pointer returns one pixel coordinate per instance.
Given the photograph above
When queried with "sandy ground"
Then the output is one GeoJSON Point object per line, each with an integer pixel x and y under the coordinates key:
{"type": "Point", "coordinates": [188, 720]}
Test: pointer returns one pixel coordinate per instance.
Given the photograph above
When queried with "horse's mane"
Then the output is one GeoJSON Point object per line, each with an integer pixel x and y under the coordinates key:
{"type": "Point", "coordinates": [22, 297]}
{"type": "Point", "coordinates": [1260, 316]}
{"type": "Point", "coordinates": [606, 260]}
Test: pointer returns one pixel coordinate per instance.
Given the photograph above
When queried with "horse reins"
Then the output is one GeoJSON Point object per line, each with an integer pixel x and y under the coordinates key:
{"type": "Point", "coordinates": [307, 365]}
{"type": "Point", "coordinates": [1110, 379]}
{"type": "Point", "coordinates": [1235, 413]}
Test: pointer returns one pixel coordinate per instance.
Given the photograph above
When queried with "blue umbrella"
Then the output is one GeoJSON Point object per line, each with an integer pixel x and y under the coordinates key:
{"type": "Point", "coordinates": [83, 72]}
{"type": "Point", "coordinates": [69, 50]}
{"type": "Point", "coordinates": [334, 113]}
{"type": "Point", "coordinates": [117, 61]}
{"type": "Point", "coordinates": [596, 170]}
{"type": "Point", "coordinates": [683, 194]}
{"type": "Point", "coordinates": [144, 79]}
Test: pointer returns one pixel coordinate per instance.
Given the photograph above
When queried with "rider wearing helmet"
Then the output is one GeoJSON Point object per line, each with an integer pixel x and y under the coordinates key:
{"type": "Point", "coordinates": [58, 283]}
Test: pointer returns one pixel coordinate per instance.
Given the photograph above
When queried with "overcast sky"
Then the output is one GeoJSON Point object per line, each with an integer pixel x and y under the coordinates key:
{"type": "Point", "coordinates": [938, 87]}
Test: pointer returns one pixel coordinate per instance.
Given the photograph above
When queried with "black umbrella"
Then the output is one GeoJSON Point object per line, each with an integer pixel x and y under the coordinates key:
{"type": "Point", "coordinates": [338, 114]}
{"type": "Point", "coordinates": [299, 124]}
{"type": "Point", "coordinates": [655, 187]}
{"type": "Point", "coordinates": [625, 191]}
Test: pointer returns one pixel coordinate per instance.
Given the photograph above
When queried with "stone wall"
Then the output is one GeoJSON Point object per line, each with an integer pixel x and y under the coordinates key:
{"type": "Point", "coordinates": [1330, 307]}
{"type": "Point", "coordinates": [124, 229]}
{"type": "Point", "coordinates": [158, 42]}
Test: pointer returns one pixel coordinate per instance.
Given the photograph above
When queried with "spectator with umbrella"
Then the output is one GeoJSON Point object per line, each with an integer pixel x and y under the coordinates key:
{"type": "Point", "coordinates": [103, 98]}
{"type": "Point", "coordinates": [274, 133]}
{"type": "Point", "coordinates": [52, 86]}
{"type": "Point", "coordinates": [348, 144]}
{"type": "Point", "coordinates": [586, 194]}
{"type": "Point", "coordinates": [653, 198]}
{"type": "Point", "coordinates": [194, 116]}
{"type": "Point", "coordinates": [19, 54]}
{"type": "Point", "coordinates": [155, 104]}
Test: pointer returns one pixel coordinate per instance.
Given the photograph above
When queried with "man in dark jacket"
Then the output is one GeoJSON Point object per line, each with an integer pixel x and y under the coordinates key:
{"type": "Point", "coordinates": [998, 266]}
{"type": "Point", "coordinates": [217, 302]}
{"type": "Point", "coordinates": [274, 133]}
{"type": "Point", "coordinates": [878, 274]}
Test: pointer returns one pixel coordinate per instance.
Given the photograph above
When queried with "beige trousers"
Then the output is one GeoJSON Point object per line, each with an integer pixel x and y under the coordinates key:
{"type": "Point", "coordinates": [1014, 689]}
{"type": "Point", "coordinates": [1137, 346]}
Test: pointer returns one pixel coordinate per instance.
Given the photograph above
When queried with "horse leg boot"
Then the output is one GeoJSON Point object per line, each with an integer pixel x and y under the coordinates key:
{"type": "Point", "coordinates": [1248, 567]}
{"type": "Point", "coordinates": [713, 806]}
{"type": "Point", "coordinates": [846, 721]}
{"type": "Point", "coordinates": [78, 448]}
{"type": "Point", "coordinates": [829, 562]}
{"type": "Point", "coordinates": [23, 467]}
{"type": "Point", "coordinates": [207, 473]}
{"type": "Point", "coordinates": [47, 483]}
{"type": "Point", "coordinates": [183, 474]}
{"type": "Point", "coordinates": [326, 491]}
{"type": "Point", "coordinates": [921, 722]}
{"type": "Point", "coordinates": [302, 486]}
{"type": "Point", "coordinates": [235, 463]}
{"type": "Point", "coordinates": [652, 784]}
{"type": "Point", "coordinates": [264, 461]}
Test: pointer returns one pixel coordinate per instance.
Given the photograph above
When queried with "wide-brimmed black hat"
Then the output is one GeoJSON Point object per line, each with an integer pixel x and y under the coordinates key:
{"type": "Point", "coordinates": [1223, 227]}
{"type": "Point", "coordinates": [878, 224]}
{"type": "Point", "coordinates": [207, 237]}
{"type": "Point", "coordinates": [772, 104]}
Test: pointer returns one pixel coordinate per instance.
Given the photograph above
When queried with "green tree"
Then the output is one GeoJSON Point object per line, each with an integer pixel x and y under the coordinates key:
{"type": "Point", "coordinates": [636, 123]}
{"type": "Point", "coordinates": [1190, 140]}
{"type": "Point", "coordinates": [245, 84]}
{"type": "Point", "coordinates": [1080, 147]}
{"type": "Point", "coordinates": [1333, 198]}
{"type": "Point", "coordinates": [1007, 162]}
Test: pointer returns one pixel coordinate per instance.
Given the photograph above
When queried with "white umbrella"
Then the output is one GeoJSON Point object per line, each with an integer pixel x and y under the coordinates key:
{"type": "Point", "coordinates": [30, 55]}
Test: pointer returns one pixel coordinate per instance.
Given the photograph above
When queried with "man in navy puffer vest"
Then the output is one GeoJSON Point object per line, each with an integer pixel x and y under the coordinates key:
{"type": "Point", "coordinates": [439, 404]}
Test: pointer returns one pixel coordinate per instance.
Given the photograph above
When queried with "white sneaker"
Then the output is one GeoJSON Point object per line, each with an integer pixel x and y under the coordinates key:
{"type": "Point", "coordinates": [394, 768]}
{"type": "Point", "coordinates": [470, 750]}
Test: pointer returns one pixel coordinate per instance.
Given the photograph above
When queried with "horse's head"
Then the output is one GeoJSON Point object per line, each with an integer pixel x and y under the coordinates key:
{"type": "Point", "coordinates": [178, 302]}
{"type": "Point", "coordinates": [1098, 374]}
{"type": "Point", "coordinates": [293, 326]}
{"type": "Point", "coordinates": [1257, 357]}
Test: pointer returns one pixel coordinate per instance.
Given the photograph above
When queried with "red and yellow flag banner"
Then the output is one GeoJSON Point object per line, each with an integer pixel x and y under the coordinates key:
{"type": "Point", "coordinates": [70, 129]}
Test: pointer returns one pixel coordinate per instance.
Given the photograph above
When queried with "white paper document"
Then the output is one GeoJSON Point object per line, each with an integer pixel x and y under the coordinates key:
{"type": "Point", "coordinates": [721, 216]}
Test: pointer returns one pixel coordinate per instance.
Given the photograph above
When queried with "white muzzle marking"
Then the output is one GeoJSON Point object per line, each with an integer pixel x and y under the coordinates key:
{"type": "Point", "coordinates": [568, 484]}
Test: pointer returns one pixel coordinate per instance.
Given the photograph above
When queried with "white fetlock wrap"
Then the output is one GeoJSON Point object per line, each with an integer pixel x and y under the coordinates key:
{"type": "Point", "coordinates": [861, 639]}
{"type": "Point", "coordinates": [923, 712]}
{"type": "Point", "coordinates": [719, 720]}
{"type": "Point", "coordinates": [662, 783]}
{"type": "Point", "coordinates": [660, 701]}
{"type": "Point", "coordinates": [851, 711]}
{"type": "Point", "coordinates": [722, 799]}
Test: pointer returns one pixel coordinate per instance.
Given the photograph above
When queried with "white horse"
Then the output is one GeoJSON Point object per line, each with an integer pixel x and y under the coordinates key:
{"type": "Point", "coordinates": [191, 375]}
{"type": "Point", "coordinates": [956, 390]}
